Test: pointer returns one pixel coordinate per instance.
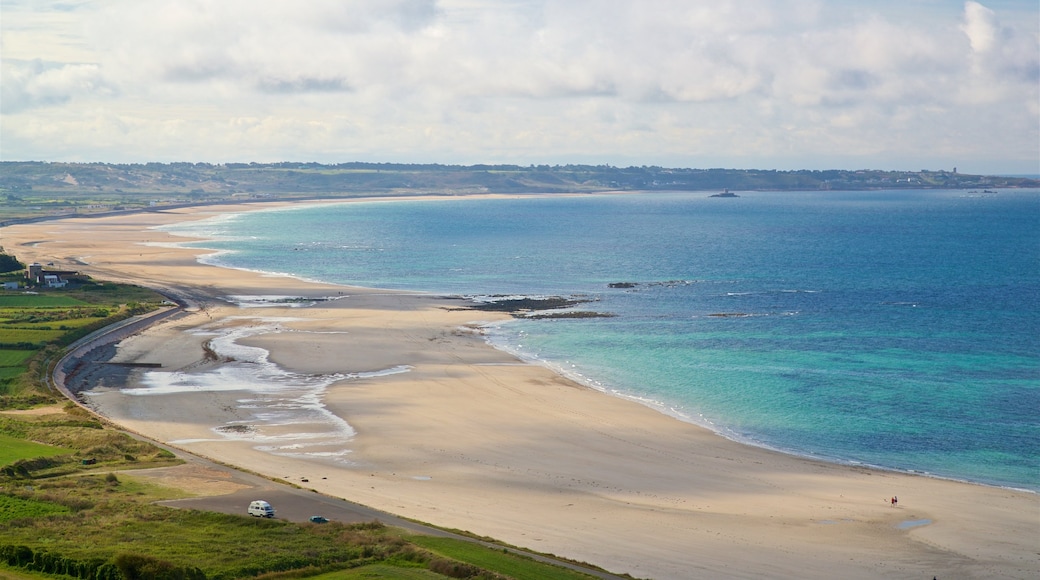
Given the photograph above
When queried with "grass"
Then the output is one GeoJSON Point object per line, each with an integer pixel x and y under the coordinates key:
{"type": "Point", "coordinates": [379, 571]}
{"type": "Point", "coordinates": [34, 326]}
{"type": "Point", "coordinates": [38, 336]}
{"type": "Point", "coordinates": [13, 508]}
{"type": "Point", "coordinates": [12, 573]}
{"type": "Point", "coordinates": [511, 564]}
{"type": "Point", "coordinates": [22, 300]}
{"type": "Point", "coordinates": [223, 546]}
{"type": "Point", "coordinates": [13, 448]}
{"type": "Point", "coordinates": [103, 518]}
{"type": "Point", "coordinates": [13, 358]}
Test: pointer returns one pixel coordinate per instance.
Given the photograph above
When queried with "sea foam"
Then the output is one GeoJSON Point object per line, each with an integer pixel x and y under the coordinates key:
{"type": "Point", "coordinates": [278, 410]}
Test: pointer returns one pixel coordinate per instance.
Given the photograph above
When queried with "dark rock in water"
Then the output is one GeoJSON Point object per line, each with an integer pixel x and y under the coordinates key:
{"type": "Point", "coordinates": [527, 304]}
{"type": "Point", "coordinates": [537, 308]}
{"type": "Point", "coordinates": [573, 314]}
{"type": "Point", "coordinates": [621, 285]}
{"type": "Point", "coordinates": [236, 429]}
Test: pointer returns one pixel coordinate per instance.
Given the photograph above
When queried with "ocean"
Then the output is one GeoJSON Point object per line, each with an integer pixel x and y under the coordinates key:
{"type": "Point", "coordinates": [895, 329]}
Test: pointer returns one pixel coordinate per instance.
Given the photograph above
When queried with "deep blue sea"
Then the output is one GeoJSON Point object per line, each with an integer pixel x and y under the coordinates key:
{"type": "Point", "coordinates": [896, 329]}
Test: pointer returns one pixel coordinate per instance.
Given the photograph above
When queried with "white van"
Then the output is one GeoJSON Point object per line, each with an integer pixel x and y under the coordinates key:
{"type": "Point", "coordinates": [261, 509]}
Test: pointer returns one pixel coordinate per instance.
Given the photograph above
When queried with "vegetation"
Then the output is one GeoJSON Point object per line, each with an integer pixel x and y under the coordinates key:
{"type": "Point", "coordinates": [14, 449]}
{"type": "Point", "coordinates": [9, 263]}
{"type": "Point", "coordinates": [39, 189]}
{"type": "Point", "coordinates": [35, 326]}
{"type": "Point", "coordinates": [87, 525]}
{"type": "Point", "coordinates": [511, 564]}
{"type": "Point", "coordinates": [70, 508]}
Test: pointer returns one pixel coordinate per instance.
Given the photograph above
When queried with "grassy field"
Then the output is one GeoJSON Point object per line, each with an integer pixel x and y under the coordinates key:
{"type": "Point", "coordinates": [13, 449]}
{"type": "Point", "coordinates": [108, 521]}
{"type": "Point", "coordinates": [509, 563]}
{"type": "Point", "coordinates": [14, 358]}
{"type": "Point", "coordinates": [35, 325]}
{"type": "Point", "coordinates": [23, 300]}
{"type": "Point", "coordinates": [14, 508]}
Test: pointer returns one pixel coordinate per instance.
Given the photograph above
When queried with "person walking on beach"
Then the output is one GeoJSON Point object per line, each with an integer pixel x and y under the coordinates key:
{"type": "Point", "coordinates": [895, 500]}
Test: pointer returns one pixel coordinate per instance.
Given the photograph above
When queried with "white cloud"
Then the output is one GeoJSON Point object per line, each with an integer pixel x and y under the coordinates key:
{"type": "Point", "coordinates": [979, 25]}
{"type": "Point", "coordinates": [35, 83]}
{"type": "Point", "coordinates": [728, 82]}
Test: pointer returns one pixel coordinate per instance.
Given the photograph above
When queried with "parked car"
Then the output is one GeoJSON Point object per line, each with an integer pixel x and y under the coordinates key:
{"type": "Point", "coordinates": [319, 520]}
{"type": "Point", "coordinates": [261, 509]}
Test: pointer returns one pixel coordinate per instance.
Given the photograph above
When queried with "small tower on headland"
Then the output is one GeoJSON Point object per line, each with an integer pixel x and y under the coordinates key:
{"type": "Point", "coordinates": [34, 272]}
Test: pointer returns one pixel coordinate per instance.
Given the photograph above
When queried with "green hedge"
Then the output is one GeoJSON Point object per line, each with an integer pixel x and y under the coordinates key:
{"type": "Point", "coordinates": [53, 563]}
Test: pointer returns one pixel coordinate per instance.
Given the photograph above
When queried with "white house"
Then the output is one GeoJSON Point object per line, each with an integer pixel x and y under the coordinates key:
{"type": "Point", "coordinates": [53, 281]}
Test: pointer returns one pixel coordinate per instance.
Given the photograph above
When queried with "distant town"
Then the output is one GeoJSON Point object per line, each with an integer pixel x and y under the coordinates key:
{"type": "Point", "coordinates": [40, 189]}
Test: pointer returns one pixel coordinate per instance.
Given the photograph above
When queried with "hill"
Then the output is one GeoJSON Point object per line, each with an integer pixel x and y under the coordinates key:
{"type": "Point", "coordinates": [37, 189]}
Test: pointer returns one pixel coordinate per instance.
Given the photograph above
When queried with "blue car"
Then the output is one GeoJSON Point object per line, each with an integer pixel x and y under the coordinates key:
{"type": "Point", "coordinates": [319, 520]}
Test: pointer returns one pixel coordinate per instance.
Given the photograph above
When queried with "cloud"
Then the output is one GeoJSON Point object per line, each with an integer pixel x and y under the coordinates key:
{"type": "Point", "coordinates": [729, 82]}
{"type": "Point", "coordinates": [979, 25]}
{"type": "Point", "coordinates": [39, 84]}
{"type": "Point", "coordinates": [265, 46]}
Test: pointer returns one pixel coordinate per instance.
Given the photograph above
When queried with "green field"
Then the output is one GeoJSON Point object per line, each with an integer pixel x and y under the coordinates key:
{"type": "Point", "coordinates": [12, 449]}
{"type": "Point", "coordinates": [13, 508]}
{"type": "Point", "coordinates": [509, 563]}
{"type": "Point", "coordinates": [34, 326]}
{"type": "Point", "coordinates": [37, 336]}
{"type": "Point", "coordinates": [13, 358]}
{"type": "Point", "coordinates": [380, 571]}
{"type": "Point", "coordinates": [22, 300]}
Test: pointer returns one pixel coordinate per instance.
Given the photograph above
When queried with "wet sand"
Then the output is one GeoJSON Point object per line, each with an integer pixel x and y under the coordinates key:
{"type": "Point", "coordinates": [470, 438]}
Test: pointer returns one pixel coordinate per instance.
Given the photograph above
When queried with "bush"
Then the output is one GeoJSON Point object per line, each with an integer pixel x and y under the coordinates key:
{"type": "Point", "coordinates": [453, 569]}
{"type": "Point", "coordinates": [141, 567]}
{"type": "Point", "coordinates": [52, 563]}
{"type": "Point", "coordinates": [16, 555]}
{"type": "Point", "coordinates": [9, 263]}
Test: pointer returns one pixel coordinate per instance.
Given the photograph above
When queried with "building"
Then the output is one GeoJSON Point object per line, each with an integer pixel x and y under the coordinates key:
{"type": "Point", "coordinates": [54, 281]}
{"type": "Point", "coordinates": [34, 273]}
{"type": "Point", "coordinates": [37, 276]}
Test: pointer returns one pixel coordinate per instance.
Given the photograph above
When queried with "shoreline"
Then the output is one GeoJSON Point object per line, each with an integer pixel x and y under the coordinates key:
{"type": "Point", "coordinates": [510, 449]}
{"type": "Point", "coordinates": [213, 259]}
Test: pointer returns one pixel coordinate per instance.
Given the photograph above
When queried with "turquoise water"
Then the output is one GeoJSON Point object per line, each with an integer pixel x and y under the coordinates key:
{"type": "Point", "coordinates": [895, 329]}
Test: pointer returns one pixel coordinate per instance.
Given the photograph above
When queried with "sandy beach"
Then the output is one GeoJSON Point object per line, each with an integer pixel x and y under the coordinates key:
{"type": "Point", "coordinates": [445, 429]}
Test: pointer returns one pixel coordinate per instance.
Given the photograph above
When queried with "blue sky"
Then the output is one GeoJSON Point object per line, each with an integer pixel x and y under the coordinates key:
{"type": "Point", "coordinates": [775, 84]}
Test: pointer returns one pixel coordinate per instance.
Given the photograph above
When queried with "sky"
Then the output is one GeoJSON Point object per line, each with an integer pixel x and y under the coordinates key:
{"type": "Point", "coordinates": [757, 84]}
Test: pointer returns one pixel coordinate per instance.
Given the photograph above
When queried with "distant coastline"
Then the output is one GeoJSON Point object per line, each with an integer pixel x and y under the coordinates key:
{"type": "Point", "coordinates": [36, 190]}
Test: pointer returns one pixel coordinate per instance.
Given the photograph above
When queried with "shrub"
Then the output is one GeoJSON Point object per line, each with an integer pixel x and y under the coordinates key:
{"type": "Point", "coordinates": [142, 567]}
{"type": "Point", "coordinates": [453, 569]}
